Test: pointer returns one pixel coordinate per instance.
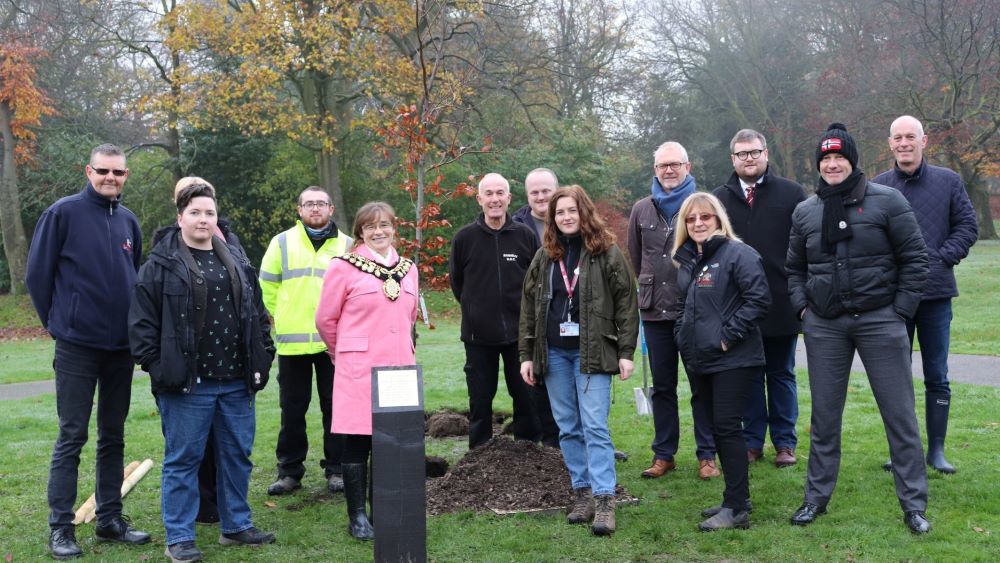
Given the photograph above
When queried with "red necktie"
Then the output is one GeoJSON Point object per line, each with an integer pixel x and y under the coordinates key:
{"type": "Point", "coordinates": [750, 195]}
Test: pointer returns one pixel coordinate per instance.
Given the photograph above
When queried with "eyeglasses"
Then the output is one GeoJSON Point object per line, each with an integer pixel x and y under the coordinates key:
{"type": "Point", "coordinates": [675, 166]}
{"type": "Point", "coordinates": [316, 205]}
{"type": "Point", "coordinates": [703, 217]}
{"type": "Point", "coordinates": [754, 154]}
{"type": "Point", "coordinates": [104, 171]}
{"type": "Point", "coordinates": [372, 227]}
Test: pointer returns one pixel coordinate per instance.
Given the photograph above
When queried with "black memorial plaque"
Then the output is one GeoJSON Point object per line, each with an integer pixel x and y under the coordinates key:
{"type": "Point", "coordinates": [399, 499]}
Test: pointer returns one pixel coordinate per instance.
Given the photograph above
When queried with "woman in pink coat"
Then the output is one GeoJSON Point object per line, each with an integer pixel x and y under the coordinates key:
{"type": "Point", "coordinates": [366, 315]}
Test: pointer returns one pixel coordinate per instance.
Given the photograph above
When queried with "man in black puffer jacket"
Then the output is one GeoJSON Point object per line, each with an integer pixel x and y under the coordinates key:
{"type": "Point", "coordinates": [857, 265]}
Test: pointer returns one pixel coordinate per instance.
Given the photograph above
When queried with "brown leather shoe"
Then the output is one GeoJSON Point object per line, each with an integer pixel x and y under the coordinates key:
{"type": "Point", "coordinates": [707, 470]}
{"type": "Point", "coordinates": [785, 457]}
{"type": "Point", "coordinates": [659, 468]}
{"type": "Point", "coordinates": [753, 454]}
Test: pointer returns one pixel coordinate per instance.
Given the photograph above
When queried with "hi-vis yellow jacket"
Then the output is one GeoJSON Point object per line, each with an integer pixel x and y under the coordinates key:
{"type": "Point", "coordinates": [291, 279]}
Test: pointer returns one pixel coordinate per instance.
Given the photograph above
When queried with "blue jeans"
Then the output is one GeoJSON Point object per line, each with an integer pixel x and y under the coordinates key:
{"type": "Point", "coordinates": [222, 411]}
{"type": "Point", "coordinates": [933, 327]}
{"type": "Point", "coordinates": [779, 410]}
{"type": "Point", "coordinates": [580, 405]}
{"type": "Point", "coordinates": [80, 371]}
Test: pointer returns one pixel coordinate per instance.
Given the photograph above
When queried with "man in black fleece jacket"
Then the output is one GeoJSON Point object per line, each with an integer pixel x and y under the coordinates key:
{"type": "Point", "coordinates": [82, 266]}
{"type": "Point", "coordinates": [489, 258]}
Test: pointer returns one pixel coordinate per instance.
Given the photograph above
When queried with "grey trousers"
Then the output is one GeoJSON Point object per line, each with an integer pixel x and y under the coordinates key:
{"type": "Point", "coordinates": [880, 338]}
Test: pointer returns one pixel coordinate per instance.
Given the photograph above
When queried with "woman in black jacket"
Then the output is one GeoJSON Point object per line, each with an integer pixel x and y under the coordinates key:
{"type": "Point", "coordinates": [198, 326]}
{"type": "Point", "coordinates": [725, 297]}
{"type": "Point", "coordinates": [208, 512]}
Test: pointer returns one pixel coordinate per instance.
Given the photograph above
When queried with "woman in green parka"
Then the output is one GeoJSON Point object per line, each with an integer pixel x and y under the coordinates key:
{"type": "Point", "coordinates": [579, 326]}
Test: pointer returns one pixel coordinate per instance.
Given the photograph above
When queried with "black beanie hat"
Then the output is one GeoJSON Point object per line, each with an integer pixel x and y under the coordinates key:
{"type": "Point", "coordinates": [836, 139]}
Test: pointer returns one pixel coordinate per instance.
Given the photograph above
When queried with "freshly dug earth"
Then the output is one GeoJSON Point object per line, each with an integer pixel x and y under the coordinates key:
{"type": "Point", "coordinates": [445, 424]}
{"type": "Point", "coordinates": [502, 474]}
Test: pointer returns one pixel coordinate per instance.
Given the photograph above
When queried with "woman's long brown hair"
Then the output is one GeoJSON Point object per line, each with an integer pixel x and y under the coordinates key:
{"type": "Point", "coordinates": [597, 238]}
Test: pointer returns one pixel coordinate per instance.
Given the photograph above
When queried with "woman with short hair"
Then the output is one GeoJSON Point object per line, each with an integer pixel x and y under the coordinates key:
{"type": "Point", "coordinates": [579, 327]}
{"type": "Point", "coordinates": [725, 297]}
{"type": "Point", "coordinates": [197, 324]}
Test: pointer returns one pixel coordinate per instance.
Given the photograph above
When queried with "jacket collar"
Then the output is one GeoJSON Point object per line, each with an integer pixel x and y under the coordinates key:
{"type": "Point", "coordinates": [507, 223]}
{"type": "Point", "coordinates": [916, 173]}
{"type": "Point", "coordinates": [736, 186]}
{"type": "Point", "coordinates": [92, 196]}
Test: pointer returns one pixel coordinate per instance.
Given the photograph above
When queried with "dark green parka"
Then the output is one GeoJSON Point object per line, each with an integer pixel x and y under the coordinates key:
{"type": "Point", "coordinates": [609, 312]}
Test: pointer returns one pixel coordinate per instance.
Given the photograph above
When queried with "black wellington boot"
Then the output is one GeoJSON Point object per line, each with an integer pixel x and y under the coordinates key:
{"type": "Point", "coordinates": [356, 493]}
{"type": "Point", "coordinates": [937, 428]}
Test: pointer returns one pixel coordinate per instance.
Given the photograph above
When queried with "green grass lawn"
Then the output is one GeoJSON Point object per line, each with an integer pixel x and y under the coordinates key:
{"type": "Point", "coordinates": [864, 523]}
{"type": "Point", "coordinates": [26, 360]}
{"type": "Point", "coordinates": [975, 328]}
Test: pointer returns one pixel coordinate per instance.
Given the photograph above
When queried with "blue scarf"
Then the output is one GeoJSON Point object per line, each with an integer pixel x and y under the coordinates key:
{"type": "Point", "coordinates": [321, 234]}
{"type": "Point", "coordinates": [669, 204]}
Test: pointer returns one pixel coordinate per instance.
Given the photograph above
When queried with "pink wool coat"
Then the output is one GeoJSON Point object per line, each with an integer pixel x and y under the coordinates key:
{"type": "Point", "coordinates": [363, 328]}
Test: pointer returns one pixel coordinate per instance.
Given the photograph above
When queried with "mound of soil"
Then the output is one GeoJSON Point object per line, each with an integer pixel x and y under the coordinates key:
{"type": "Point", "coordinates": [444, 424]}
{"type": "Point", "coordinates": [502, 474]}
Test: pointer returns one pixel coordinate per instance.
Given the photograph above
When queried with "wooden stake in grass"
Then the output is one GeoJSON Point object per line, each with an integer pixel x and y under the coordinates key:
{"type": "Point", "coordinates": [134, 472]}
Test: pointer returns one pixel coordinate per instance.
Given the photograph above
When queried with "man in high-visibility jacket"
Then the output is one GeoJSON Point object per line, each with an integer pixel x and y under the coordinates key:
{"type": "Point", "coordinates": [291, 278]}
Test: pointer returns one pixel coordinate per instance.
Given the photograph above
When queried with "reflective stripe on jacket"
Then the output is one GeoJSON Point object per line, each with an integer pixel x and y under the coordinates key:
{"type": "Point", "coordinates": [291, 279]}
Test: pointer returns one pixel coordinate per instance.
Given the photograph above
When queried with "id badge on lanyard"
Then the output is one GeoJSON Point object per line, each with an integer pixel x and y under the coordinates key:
{"type": "Point", "coordinates": [569, 328]}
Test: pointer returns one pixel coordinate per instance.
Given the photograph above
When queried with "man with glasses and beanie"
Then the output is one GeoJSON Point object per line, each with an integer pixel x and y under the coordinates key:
{"type": "Point", "coordinates": [760, 205]}
{"type": "Point", "coordinates": [291, 280]}
{"type": "Point", "coordinates": [82, 267]}
{"type": "Point", "coordinates": [489, 258]}
{"type": "Point", "coordinates": [857, 265]}
{"type": "Point", "coordinates": [948, 223]}
{"type": "Point", "coordinates": [650, 240]}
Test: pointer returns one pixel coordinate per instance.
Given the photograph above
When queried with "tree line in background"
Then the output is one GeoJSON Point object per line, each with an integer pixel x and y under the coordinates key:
{"type": "Point", "coordinates": [411, 101]}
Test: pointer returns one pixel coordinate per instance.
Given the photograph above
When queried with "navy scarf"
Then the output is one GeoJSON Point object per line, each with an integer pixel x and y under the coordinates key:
{"type": "Point", "coordinates": [668, 204]}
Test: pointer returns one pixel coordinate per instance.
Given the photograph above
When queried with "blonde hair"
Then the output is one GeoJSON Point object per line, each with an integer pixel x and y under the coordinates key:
{"type": "Point", "coordinates": [703, 200]}
{"type": "Point", "coordinates": [190, 181]}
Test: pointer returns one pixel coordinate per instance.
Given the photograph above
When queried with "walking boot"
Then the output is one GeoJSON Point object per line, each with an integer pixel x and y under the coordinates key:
{"type": "Point", "coordinates": [937, 428]}
{"type": "Point", "coordinates": [582, 510]}
{"type": "Point", "coordinates": [604, 516]}
{"type": "Point", "coordinates": [725, 519]}
{"type": "Point", "coordinates": [355, 493]}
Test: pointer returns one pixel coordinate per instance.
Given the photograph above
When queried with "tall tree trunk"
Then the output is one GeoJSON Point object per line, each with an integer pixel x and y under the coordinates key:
{"type": "Point", "coordinates": [15, 244]}
{"type": "Point", "coordinates": [328, 164]}
{"type": "Point", "coordinates": [980, 197]}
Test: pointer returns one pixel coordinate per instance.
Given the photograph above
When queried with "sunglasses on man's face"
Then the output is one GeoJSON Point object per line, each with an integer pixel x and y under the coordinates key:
{"type": "Point", "coordinates": [105, 171]}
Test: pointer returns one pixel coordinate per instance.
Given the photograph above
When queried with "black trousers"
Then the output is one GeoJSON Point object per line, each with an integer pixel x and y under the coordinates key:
{"type": "Point", "coordinates": [726, 393]}
{"type": "Point", "coordinates": [357, 447]}
{"type": "Point", "coordinates": [295, 377]}
{"type": "Point", "coordinates": [663, 358]}
{"type": "Point", "coordinates": [82, 372]}
{"type": "Point", "coordinates": [482, 364]}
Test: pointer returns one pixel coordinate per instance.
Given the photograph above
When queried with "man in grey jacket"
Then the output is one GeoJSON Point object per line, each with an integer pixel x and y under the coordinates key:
{"type": "Point", "coordinates": [857, 265]}
{"type": "Point", "coordinates": [650, 238]}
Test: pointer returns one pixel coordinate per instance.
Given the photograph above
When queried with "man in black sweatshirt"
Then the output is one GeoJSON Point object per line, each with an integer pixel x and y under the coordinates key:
{"type": "Point", "coordinates": [489, 258]}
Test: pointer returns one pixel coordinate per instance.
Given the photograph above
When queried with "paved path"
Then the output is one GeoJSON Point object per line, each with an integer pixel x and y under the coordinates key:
{"type": "Point", "coordinates": [978, 370]}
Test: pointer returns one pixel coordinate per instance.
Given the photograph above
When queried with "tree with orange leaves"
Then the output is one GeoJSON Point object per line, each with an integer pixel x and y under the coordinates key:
{"type": "Point", "coordinates": [22, 106]}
